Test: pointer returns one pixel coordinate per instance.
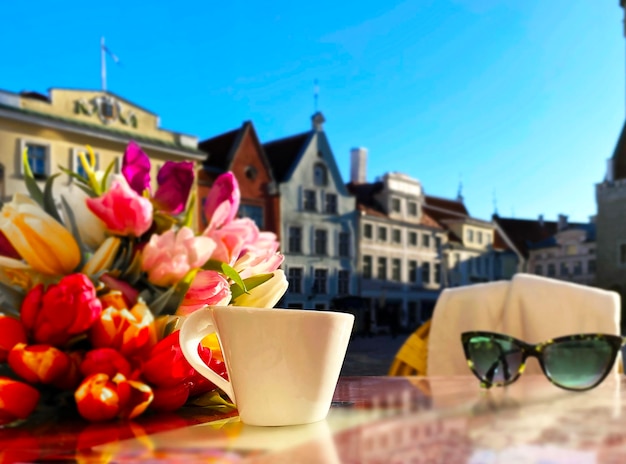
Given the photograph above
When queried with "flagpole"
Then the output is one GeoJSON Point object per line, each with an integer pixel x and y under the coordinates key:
{"type": "Point", "coordinates": [103, 65]}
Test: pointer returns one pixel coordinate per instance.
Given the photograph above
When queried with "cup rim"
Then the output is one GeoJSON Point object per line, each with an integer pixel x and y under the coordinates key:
{"type": "Point", "coordinates": [294, 311]}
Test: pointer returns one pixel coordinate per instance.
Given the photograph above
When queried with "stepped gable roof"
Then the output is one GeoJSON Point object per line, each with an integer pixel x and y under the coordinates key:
{"type": "Point", "coordinates": [522, 232]}
{"type": "Point", "coordinates": [283, 153]}
{"type": "Point", "coordinates": [219, 149]}
{"type": "Point", "coordinates": [619, 156]}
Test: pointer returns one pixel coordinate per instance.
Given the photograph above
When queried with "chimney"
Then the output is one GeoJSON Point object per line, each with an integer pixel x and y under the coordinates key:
{"type": "Point", "coordinates": [562, 224]}
{"type": "Point", "coordinates": [609, 170]}
{"type": "Point", "coordinates": [358, 163]}
{"type": "Point", "coordinates": [317, 121]}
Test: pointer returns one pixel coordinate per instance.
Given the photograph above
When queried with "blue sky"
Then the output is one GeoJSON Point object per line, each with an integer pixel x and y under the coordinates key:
{"type": "Point", "coordinates": [520, 101]}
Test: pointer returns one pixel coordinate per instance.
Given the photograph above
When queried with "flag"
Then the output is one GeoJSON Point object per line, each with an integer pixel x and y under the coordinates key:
{"type": "Point", "coordinates": [111, 54]}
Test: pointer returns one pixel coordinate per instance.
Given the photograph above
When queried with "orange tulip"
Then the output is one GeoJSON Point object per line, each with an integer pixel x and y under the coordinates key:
{"type": "Point", "coordinates": [100, 397]}
{"type": "Point", "coordinates": [132, 333]}
{"type": "Point", "coordinates": [39, 363]}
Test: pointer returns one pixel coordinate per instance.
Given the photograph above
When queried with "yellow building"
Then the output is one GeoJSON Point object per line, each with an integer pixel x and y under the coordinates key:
{"type": "Point", "coordinates": [54, 128]}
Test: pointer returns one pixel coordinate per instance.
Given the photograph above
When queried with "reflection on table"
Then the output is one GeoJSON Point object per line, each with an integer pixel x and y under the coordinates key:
{"type": "Point", "coordinates": [373, 420]}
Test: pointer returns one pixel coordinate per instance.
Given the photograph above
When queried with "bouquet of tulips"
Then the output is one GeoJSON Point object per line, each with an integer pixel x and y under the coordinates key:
{"type": "Point", "coordinates": [92, 275]}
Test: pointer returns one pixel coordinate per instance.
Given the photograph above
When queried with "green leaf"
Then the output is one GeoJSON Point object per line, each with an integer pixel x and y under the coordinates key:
{"type": "Point", "coordinates": [213, 400]}
{"type": "Point", "coordinates": [29, 179]}
{"type": "Point", "coordinates": [188, 217]}
{"type": "Point", "coordinates": [250, 283]}
{"type": "Point", "coordinates": [228, 271]}
{"type": "Point", "coordinates": [48, 199]}
{"type": "Point", "coordinates": [74, 229]}
{"type": "Point", "coordinates": [161, 302]}
{"type": "Point", "coordinates": [10, 299]}
{"type": "Point", "coordinates": [105, 178]}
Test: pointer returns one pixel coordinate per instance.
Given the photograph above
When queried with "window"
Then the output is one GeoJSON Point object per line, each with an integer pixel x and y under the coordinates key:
{"type": "Point", "coordinates": [413, 238]}
{"type": "Point", "coordinates": [425, 272]}
{"type": "Point", "coordinates": [563, 269]}
{"type": "Point", "coordinates": [551, 270]}
{"type": "Point", "coordinates": [343, 282]}
{"type": "Point", "coordinates": [382, 234]}
{"type": "Point", "coordinates": [382, 268]}
{"type": "Point", "coordinates": [295, 239]}
{"type": "Point", "coordinates": [368, 231]}
{"type": "Point", "coordinates": [437, 273]}
{"type": "Point", "coordinates": [425, 240]}
{"type": "Point", "coordinates": [438, 243]}
{"type": "Point", "coordinates": [344, 244]}
{"type": "Point", "coordinates": [320, 242]}
{"type": "Point", "coordinates": [38, 159]}
{"type": "Point", "coordinates": [395, 205]}
{"type": "Point", "coordinates": [320, 281]}
{"type": "Point", "coordinates": [487, 238]}
{"type": "Point", "coordinates": [479, 237]}
{"type": "Point", "coordinates": [412, 208]}
{"type": "Point", "coordinates": [539, 269]}
{"type": "Point", "coordinates": [571, 250]}
{"type": "Point", "coordinates": [469, 235]}
{"type": "Point", "coordinates": [591, 266]}
{"type": "Point", "coordinates": [320, 176]}
{"type": "Point", "coordinates": [309, 200]}
{"type": "Point", "coordinates": [252, 212]}
{"type": "Point", "coordinates": [331, 203]}
{"type": "Point", "coordinates": [294, 277]}
{"type": "Point", "coordinates": [578, 268]}
{"type": "Point", "coordinates": [396, 270]}
{"type": "Point", "coordinates": [367, 267]}
{"type": "Point", "coordinates": [396, 236]}
{"type": "Point", "coordinates": [412, 271]}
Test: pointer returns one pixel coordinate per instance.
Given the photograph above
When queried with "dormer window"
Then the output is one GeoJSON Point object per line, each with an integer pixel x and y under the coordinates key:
{"type": "Point", "coordinates": [395, 205]}
{"type": "Point", "coordinates": [320, 175]}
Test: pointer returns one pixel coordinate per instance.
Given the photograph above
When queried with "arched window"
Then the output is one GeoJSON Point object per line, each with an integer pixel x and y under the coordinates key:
{"type": "Point", "coordinates": [320, 175]}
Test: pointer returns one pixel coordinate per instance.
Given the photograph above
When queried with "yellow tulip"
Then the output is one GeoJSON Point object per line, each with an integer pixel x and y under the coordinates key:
{"type": "Point", "coordinates": [104, 256]}
{"type": "Point", "coordinates": [265, 295]}
{"type": "Point", "coordinates": [41, 241]}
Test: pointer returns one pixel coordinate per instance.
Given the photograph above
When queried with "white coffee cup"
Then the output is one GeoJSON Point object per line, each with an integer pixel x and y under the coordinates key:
{"type": "Point", "coordinates": [283, 364]}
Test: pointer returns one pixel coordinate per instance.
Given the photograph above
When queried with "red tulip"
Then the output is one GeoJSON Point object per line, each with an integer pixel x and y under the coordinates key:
{"type": "Point", "coordinates": [39, 363]}
{"type": "Point", "coordinates": [166, 365]}
{"type": "Point", "coordinates": [170, 398]}
{"type": "Point", "coordinates": [105, 361]}
{"type": "Point", "coordinates": [73, 375]}
{"type": "Point", "coordinates": [17, 400]}
{"type": "Point", "coordinates": [199, 384]}
{"type": "Point", "coordinates": [18, 445]}
{"type": "Point", "coordinates": [65, 309]}
{"type": "Point", "coordinates": [11, 333]}
{"type": "Point", "coordinates": [101, 397]}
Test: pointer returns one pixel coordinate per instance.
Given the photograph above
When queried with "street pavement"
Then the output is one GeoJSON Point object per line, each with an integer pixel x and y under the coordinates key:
{"type": "Point", "coordinates": [371, 355]}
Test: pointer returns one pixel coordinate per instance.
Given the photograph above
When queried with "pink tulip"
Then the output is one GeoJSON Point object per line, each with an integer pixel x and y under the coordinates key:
{"type": "Point", "coordinates": [208, 288]}
{"type": "Point", "coordinates": [122, 210]}
{"type": "Point", "coordinates": [169, 256]}
{"type": "Point", "coordinates": [136, 168]}
{"type": "Point", "coordinates": [175, 181]}
{"type": "Point", "coordinates": [222, 202]}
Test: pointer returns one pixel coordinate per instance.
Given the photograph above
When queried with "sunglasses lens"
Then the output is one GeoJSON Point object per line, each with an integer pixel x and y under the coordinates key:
{"type": "Point", "coordinates": [578, 364]}
{"type": "Point", "coordinates": [495, 360]}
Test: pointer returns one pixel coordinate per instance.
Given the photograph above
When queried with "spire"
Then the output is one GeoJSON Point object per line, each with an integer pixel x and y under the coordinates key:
{"type": "Point", "coordinates": [459, 194]}
{"type": "Point", "coordinates": [316, 94]}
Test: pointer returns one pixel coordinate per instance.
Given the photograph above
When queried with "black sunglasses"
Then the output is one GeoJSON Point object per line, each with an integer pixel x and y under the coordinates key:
{"type": "Point", "coordinates": [574, 362]}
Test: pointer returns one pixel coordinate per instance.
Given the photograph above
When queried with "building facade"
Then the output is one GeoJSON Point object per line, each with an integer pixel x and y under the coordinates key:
{"type": "Point", "coordinates": [52, 129]}
{"type": "Point", "coordinates": [317, 219]}
{"type": "Point", "coordinates": [241, 152]}
{"type": "Point", "coordinates": [400, 251]}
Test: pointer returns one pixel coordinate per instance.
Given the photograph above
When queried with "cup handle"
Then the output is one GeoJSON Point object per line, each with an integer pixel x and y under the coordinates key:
{"type": "Point", "coordinates": [195, 327]}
